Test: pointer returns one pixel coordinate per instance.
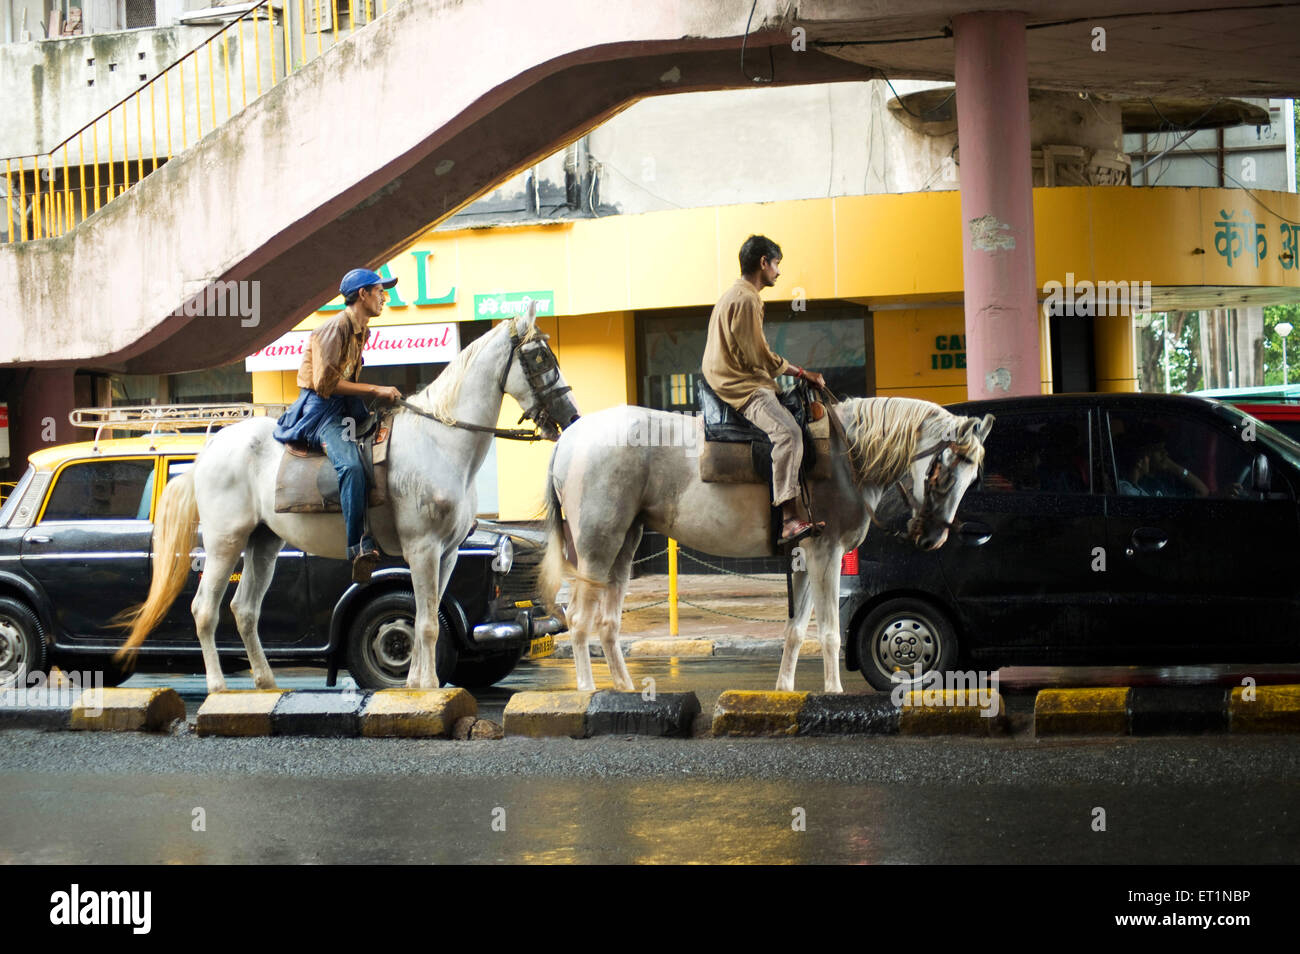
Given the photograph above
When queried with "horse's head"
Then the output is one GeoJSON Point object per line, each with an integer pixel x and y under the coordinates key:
{"type": "Point", "coordinates": [950, 455]}
{"type": "Point", "coordinates": [532, 377]}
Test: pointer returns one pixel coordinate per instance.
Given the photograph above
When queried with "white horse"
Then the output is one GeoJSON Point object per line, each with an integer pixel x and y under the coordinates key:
{"type": "Point", "coordinates": [601, 493]}
{"type": "Point", "coordinates": [432, 462]}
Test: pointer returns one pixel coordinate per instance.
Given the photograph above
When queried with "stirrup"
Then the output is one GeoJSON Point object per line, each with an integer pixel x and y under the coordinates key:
{"type": "Point", "coordinates": [802, 529]}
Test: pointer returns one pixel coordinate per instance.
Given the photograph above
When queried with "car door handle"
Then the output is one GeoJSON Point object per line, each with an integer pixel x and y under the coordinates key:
{"type": "Point", "coordinates": [975, 534]}
{"type": "Point", "coordinates": [34, 538]}
{"type": "Point", "coordinates": [1147, 540]}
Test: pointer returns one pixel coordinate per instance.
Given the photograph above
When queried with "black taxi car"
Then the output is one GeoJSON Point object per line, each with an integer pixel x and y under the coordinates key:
{"type": "Point", "coordinates": [1105, 529]}
{"type": "Point", "coordinates": [75, 539]}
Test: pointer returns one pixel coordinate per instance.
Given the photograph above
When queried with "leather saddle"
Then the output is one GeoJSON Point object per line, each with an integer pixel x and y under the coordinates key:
{"type": "Point", "coordinates": [306, 481]}
{"type": "Point", "coordinates": [737, 452]}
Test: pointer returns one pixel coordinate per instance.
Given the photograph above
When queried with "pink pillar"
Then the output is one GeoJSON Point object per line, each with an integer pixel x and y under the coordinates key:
{"type": "Point", "coordinates": [997, 206]}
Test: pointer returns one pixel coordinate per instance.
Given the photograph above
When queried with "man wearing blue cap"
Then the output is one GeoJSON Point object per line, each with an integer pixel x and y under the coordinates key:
{"type": "Point", "coordinates": [330, 410]}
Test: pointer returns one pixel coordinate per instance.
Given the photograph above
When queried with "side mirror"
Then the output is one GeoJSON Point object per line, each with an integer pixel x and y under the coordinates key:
{"type": "Point", "coordinates": [1259, 475]}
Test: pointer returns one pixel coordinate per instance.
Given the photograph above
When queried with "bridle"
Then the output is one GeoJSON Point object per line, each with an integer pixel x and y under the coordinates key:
{"type": "Point", "coordinates": [939, 481]}
{"type": "Point", "coordinates": [543, 374]}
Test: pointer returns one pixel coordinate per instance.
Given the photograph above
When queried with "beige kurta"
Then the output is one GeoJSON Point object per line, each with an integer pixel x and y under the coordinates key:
{"type": "Point", "coordinates": [737, 360]}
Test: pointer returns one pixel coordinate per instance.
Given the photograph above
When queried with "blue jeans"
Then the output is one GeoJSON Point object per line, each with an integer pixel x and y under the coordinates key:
{"type": "Point", "coordinates": [345, 455]}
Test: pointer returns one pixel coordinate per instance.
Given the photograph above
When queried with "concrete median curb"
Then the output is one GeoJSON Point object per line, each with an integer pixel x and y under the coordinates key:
{"type": "Point", "coordinates": [335, 713]}
{"type": "Point", "coordinates": [770, 713]}
{"type": "Point", "coordinates": [1167, 710]}
{"type": "Point", "coordinates": [580, 715]}
{"type": "Point", "coordinates": [669, 647]}
{"type": "Point", "coordinates": [94, 710]}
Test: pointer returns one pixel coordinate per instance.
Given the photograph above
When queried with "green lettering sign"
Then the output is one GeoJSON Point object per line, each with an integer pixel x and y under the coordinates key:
{"type": "Point", "coordinates": [510, 304]}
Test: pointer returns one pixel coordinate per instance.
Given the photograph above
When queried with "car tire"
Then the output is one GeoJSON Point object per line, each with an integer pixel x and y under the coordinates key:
{"type": "Point", "coordinates": [901, 632]}
{"type": "Point", "coordinates": [487, 671]}
{"type": "Point", "coordinates": [22, 642]}
{"type": "Point", "coordinates": [381, 637]}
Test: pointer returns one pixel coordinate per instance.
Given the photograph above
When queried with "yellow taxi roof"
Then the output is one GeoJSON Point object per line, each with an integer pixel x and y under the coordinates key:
{"type": "Point", "coordinates": [161, 443]}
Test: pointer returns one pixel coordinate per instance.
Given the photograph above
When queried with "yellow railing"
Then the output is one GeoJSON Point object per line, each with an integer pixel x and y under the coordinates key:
{"type": "Point", "coordinates": [48, 194]}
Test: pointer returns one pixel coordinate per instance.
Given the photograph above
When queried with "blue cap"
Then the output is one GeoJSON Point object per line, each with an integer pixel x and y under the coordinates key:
{"type": "Point", "coordinates": [360, 278]}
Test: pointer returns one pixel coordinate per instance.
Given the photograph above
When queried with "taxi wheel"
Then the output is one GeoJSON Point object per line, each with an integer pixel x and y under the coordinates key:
{"type": "Point", "coordinates": [481, 673]}
{"type": "Point", "coordinates": [901, 634]}
{"type": "Point", "coordinates": [381, 639]}
{"type": "Point", "coordinates": [22, 642]}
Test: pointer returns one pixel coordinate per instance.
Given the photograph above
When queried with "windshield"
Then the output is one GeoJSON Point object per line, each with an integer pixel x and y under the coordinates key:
{"type": "Point", "coordinates": [1265, 433]}
{"type": "Point", "coordinates": [11, 502]}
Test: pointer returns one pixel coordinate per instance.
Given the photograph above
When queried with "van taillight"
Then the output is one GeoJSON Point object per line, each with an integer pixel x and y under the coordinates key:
{"type": "Point", "coordinates": [849, 563]}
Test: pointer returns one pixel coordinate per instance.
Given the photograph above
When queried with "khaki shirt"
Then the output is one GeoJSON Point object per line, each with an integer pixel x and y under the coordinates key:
{"type": "Point", "coordinates": [737, 360]}
{"type": "Point", "coordinates": [333, 354]}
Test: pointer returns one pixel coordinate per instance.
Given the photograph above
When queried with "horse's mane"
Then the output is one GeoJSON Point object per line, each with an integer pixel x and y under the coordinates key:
{"type": "Point", "coordinates": [440, 397]}
{"type": "Point", "coordinates": [883, 435]}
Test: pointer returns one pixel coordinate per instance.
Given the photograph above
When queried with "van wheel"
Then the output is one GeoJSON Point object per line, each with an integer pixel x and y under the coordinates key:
{"type": "Point", "coordinates": [901, 634]}
{"type": "Point", "coordinates": [22, 643]}
{"type": "Point", "coordinates": [382, 637]}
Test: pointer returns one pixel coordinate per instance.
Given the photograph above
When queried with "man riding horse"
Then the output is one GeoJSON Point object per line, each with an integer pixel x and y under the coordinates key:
{"type": "Point", "coordinates": [329, 412]}
{"type": "Point", "coordinates": [741, 368]}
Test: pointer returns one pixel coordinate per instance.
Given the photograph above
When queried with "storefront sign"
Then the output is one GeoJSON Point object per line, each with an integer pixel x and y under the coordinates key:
{"type": "Point", "coordinates": [510, 304]}
{"type": "Point", "coordinates": [388, 344]}
{"type": "Point", "coordinates": [422, 294]}
{"type": "Point", "coordinates": [949, 353]}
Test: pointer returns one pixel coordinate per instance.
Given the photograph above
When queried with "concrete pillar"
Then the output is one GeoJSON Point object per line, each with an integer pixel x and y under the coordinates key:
{"type": "Point", "coordinates": [38, 413]}
{"type": "Point", "coordinates": [997, 206]}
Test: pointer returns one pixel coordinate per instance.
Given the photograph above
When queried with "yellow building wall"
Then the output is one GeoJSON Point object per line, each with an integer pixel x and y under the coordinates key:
{"type": "Point", "coordinates": [879, 250]}
{"type": "Point", "coordinates": [915, 356]}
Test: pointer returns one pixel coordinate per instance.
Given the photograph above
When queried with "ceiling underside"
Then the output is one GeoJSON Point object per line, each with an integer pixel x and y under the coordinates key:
{"type": "Point", "coordinates": [1231, 49]}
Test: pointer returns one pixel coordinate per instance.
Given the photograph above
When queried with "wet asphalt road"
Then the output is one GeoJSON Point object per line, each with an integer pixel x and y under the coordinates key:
{"type": "Point", "coordinates": [93, 798]}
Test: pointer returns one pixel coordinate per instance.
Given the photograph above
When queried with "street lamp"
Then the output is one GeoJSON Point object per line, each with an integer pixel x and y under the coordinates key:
{"type": "Point", "coordinates": [1283, 328]}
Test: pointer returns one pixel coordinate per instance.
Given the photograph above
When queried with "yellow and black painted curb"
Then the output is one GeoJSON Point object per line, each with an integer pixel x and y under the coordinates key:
{"type": "Point", "coordinates": [335, 713]}
{"type": "Point", "coordinates": [580, 715]}
{"type": "Point", "coordinates": [98, 710]}
{"type": "Point", "coordinates": [1167, 710]}
{"type": "Point", "coordinates": [771, 713]}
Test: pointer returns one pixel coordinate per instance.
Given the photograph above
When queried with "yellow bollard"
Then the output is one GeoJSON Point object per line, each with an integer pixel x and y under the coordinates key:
{"type": "Point", "coordinates": [672, 587]}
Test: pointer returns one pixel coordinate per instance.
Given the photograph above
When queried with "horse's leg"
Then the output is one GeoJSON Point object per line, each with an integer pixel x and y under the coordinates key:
{"type": "Point", "coordinates": [259, 567]}
{"type": "Point", "coordinates": [426, 569]}
{"type": "Point", "coordinates": [823, 577]}
{"type": "Point", "coordinates": [583, 604]}
{"type": "Point", "coordinates": [795, 627]}
{"type": "Point", "coordinates": [220, 554]}
{"type": "Point", "coordinates": [609, 611]}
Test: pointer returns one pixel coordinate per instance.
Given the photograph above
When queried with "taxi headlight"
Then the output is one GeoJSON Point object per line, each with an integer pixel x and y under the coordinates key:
{"type": "Point", "coordinates": [505, 557]}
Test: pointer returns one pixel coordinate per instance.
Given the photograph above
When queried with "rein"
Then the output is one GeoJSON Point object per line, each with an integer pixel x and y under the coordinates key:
{"type": "Point", "coordinates": [507, 433]}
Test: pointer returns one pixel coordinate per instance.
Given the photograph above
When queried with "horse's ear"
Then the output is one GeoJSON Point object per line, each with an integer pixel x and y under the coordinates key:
{"type": "Point", "coordinates": [529, 317]}
{"type": "Point", "coordinates": [986, 425]}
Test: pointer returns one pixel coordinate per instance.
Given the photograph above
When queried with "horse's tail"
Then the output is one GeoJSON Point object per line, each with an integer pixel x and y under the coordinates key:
{"type": "Point", "coordinates": [556, 567]}
{"type": "Point", "coordinates": [175, 532]}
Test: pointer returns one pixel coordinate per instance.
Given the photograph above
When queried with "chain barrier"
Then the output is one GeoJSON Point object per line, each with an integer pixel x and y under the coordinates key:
{"type": "Point", "coordinates": [651, 556]}
{"type": "Point", "coordinates": [633, 609]}
{"type": "Point", "coordinates": [767, 578]}
{"type": "Point", "coordinates": [750, 619]}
